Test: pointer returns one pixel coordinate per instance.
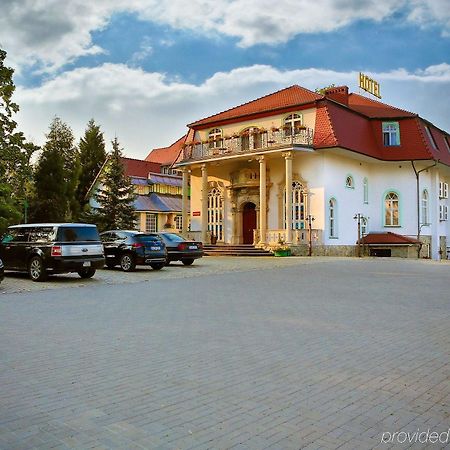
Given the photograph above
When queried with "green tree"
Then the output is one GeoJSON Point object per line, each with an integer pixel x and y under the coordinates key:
{"type": "Point", "coordinates": [115, 195]}
{"type": "Point", "coordinates": [15, 166]}
{"type": "Point", "coordinates": [60, 141]}
{"type": "Point", "coordinates": [92, 156]}
{"type": "Point", "coordinates": [50, 204]}
{"type": "Point", "coordinates": [324, 89]}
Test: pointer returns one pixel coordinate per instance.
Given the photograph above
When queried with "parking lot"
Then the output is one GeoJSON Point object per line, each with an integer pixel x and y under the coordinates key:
{"type": "Point", "coordinates": [242, 353]}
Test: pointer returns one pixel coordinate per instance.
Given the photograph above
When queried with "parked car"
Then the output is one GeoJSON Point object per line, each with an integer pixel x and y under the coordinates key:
{"type": "Point", "coordinates": [2, 271]}
{"type": "Point", "coordinates": [130, 248]}
{"type": "Point", "coordinates": [181, 249]}
{"type": "Point", "coordinates": [50, 248]}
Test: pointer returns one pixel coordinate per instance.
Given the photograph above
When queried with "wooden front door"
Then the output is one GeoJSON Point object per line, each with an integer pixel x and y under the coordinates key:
{"type": "Point", "coordinates": [248, 222]}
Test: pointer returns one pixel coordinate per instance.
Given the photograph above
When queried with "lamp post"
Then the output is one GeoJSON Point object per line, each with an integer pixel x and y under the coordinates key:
{"type": "Point", "coordinates": [310, 219]}
{"type": "Point", "coordinates": [360, 220]}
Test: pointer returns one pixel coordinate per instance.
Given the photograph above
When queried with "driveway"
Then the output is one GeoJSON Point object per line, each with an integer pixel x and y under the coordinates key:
{"type": "Point", "coordinates": [249, 353]}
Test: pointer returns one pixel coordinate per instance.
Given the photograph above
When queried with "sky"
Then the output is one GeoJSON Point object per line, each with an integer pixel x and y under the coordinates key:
{"type": "Point", "coordinates": [143, 69]}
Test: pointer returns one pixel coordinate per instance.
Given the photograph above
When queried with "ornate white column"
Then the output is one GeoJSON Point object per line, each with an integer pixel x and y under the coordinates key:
{"type": "Point", "coordinates": [185, 200]}
{"type": "Point", "coordinates": [262, 200]}
{"type": "Point", "coordinates": [204, 202]}
{"type": "Point", "coordinates": [288, 203]}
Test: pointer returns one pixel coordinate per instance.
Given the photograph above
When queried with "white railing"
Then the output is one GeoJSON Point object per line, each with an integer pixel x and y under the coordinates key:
{"type": "Point", "coordinates": [260, 140]}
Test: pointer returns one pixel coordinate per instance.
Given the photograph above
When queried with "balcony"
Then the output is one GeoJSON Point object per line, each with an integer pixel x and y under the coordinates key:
{"type": "Point", "coordinates": [249, 142]}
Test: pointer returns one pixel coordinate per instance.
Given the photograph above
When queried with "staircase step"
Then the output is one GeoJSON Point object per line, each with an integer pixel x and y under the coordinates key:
{"type": "Point", "coordinates": [234, 250]}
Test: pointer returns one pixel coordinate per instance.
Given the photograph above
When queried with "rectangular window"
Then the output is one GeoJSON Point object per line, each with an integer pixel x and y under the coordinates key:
{"type": "Point", "coordinates": [443, 212]}
{"type": "Point", "coordinates": [391, 134]}
{"type": "Point", "coordinates": [179, 222]}
{"type": "Point", "coordinates": [150, 223]}
{"type": "Point", "coordinates": [431, 138]}
{"type": "Point", "coordinates": [443, 190]}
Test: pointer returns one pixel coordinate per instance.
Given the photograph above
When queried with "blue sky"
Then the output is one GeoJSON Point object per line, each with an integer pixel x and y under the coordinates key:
{"type": "Point", "coordinates": [143, 69]}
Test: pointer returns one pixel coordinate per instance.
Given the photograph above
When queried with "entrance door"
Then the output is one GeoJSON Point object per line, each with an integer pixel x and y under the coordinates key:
{"type": "Point", "coordinates": [248, 222]}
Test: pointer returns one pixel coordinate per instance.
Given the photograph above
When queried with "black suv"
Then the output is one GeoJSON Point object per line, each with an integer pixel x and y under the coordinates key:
{"type": "Point", "coordinates": [50, 248]}
{"type": "Point", "coordinates": [129, 248]}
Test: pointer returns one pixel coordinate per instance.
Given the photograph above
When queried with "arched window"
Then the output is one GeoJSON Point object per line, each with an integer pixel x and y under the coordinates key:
{"type": "Point", "coordinates": [215, 138]}
{"type": "Point", "coordinates": [349, 183]}
{"type": "Point", "coordinates": [299, 197]}
{"type": "Point", "coordinates": [425, 215]}
{"type": "Point", "coordinates": [366, 190]}
{"type": "Point", "coordinates": [215, 213]}
{"type": "Point", "coordinates": [391, 210]}
{"type": "Point", "coordinates": [332, 217]}
{"type": "Point", "coordinates": [292, 124]}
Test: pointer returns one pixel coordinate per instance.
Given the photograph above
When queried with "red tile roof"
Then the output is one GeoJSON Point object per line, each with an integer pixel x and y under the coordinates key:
{"type": "Point", "coordinates": [375, 109]}
{"type": "Point", "coordinates": [288, 97]}
{"type": "Point", "coordinates": [166, 155]}
{"type": "Point", "coordinates": [388, 239]}
{"type": "Point", "coordinates": [139, 168]}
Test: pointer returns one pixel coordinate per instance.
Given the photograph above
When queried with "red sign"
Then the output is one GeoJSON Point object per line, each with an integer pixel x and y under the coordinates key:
{"type": "Point", "coordinates": [196, 213]}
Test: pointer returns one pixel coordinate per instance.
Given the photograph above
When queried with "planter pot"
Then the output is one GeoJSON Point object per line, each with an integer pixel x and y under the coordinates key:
{"type": "Point", "coordinates": [282, 253]}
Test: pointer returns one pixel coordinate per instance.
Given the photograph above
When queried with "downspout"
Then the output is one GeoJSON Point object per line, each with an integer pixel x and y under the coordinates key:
{"type": "Point", "coordinates": [417, 173]}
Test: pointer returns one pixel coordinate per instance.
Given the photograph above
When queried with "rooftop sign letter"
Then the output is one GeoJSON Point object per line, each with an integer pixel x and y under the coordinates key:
{"type": "Point", "coordinates": [369, 85]}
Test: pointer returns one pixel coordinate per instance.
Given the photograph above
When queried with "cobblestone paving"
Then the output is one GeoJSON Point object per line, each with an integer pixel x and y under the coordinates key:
{"type": "Point", "coordinates": [242, 353]}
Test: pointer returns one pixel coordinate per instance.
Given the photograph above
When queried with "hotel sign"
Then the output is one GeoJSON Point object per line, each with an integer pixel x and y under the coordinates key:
{"type": "Point", "coordinates": [369, 85]}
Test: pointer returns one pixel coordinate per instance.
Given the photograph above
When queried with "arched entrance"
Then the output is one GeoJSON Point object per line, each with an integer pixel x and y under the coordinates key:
{"type": "Point", "coordinates": [248, 222]}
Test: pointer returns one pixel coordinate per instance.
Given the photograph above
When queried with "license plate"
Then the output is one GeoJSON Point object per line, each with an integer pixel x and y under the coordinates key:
{"type": "Point", "coordinates": [87, 264]}
{"type": "Point", "coordinates": [192, 247]}
{"type": "Point", "coordinates": [155, 248]}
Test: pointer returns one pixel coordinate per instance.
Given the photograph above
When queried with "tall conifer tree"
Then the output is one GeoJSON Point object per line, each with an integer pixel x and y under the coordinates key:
{"type": "Point", "coordinates": [92, 156]}
{"type": "Point", "coordinates": [116, 194]}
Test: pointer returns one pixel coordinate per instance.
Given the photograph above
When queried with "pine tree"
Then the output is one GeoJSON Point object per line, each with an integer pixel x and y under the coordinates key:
{"type": "Point", "coordinates": [59, 147]}
{"type": "Point", "coordinates": [92, 156]}
{"type": "Point", "coordinates": [51, 202]}
{"type": "Point", "coordinates": [116, 194]}
{"type": "Point", "coordinates": [15, 167]}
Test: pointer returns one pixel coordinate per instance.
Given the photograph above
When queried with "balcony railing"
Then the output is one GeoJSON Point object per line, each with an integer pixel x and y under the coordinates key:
{"type": "Point", "coordinates": [256, 141]}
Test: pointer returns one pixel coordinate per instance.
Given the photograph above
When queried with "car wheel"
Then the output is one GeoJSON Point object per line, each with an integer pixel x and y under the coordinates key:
{"type": "Point", "coordinates": [127, 262]}
{"type": "Point", "coordinates": [157, 266]}
{"type": "Point", "coordinates": [110, 264]}
{"type": "Point", "coordinates": [36, 269]}
{"type": "Point", "coordinates": [187, 262]}
{"type": "Point", "coordinates": [87, 272]}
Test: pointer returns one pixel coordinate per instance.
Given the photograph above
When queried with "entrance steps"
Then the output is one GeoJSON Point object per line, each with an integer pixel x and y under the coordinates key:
{"type": "Point", "coordinates": [234, 250]}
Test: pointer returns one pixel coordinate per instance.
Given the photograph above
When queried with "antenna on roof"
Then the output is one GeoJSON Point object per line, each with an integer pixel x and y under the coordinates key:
{"type": "Point", "coordinates": [369, 85]}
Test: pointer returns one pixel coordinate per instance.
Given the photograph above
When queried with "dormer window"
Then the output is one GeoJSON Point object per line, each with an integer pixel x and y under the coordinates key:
{"type": "Point", "coordinates": [431, 138]}
{"type": "Point", "coordinates": [391, 134]}
{"type": "Point", "coordinates": [215, 138]}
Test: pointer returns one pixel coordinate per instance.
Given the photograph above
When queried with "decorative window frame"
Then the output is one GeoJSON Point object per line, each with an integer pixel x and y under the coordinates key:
{"type": "Point", "coordinates": [332, 215]}
{"type": "Point", "coordinates": [365, 190]}
{"type": "Point", "coordinates": [215, 138]}
{"type": "Point", "coordinates": [383, 208]}
{"type": "Point", "coordinates": [425, 208]}
{"type": "Point", "coordinates": [387, 129]}
{"type": "Point", "coordinates": [349, 181]}
{"type": "Point", "coordinates": [292, 124]}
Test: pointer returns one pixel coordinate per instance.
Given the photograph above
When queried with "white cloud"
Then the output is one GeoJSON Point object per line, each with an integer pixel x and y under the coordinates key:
{"type": "Point", "coordinates": [145, 110]}
{"type": "Point", "coordinates": [52, 33]}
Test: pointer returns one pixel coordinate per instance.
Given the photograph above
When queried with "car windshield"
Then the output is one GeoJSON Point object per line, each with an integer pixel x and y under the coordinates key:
{"type": "Point", "coordinates": [174, 237]}
{"type": "Point", "coordinates": [77, 234]}
{"type": "Point", "coordinates": [148, 238]}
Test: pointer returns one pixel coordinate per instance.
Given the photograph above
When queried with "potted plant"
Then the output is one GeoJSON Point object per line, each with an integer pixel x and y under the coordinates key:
{"type": "Point", "coordinates": [282, 250]}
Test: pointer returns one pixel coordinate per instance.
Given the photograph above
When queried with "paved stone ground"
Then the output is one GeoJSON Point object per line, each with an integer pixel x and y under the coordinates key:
{"type": "Point", "coordinates": [235, 353]}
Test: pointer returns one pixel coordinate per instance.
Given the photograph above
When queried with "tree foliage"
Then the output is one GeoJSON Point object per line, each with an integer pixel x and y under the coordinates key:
{"type": "Point", "coordinates": [115, 195]}
{"type": "Point", "coordinates": [92, 157]}
{"type": "Point", "coordinates": [324, 89]}
{"type": "Point", "coordinates": [57, 174]}
{"type": "Point", "coordinates": [15, 153]}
